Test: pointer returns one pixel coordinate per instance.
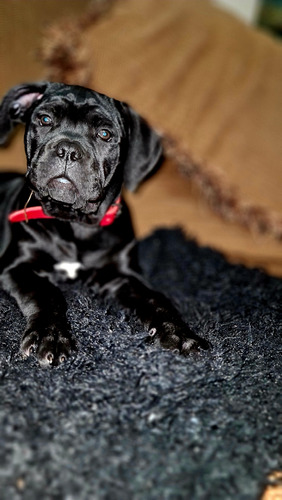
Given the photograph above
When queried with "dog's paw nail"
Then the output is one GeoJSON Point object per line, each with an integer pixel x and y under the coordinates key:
{"type": "Point", "coordinates": [175, 351]}
{"type": "Point", "coordinates": [30, 350]}
{"type": "Point", "coordinates": [27, 351]}
{"type": "Point", "coordinates": [50, 358]}
{"type": "Point", "coordinates": [152, 332]}
{"type": "Point", "coordinates": [62, 358]}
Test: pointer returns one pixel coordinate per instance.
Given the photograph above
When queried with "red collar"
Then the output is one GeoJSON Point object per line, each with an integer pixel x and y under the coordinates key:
{"type": "Point", "coordinates": [27, 214]}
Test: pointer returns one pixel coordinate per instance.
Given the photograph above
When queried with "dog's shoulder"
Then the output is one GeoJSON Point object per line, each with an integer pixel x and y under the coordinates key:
{"type": "Point", "coordinates": [13, 194]}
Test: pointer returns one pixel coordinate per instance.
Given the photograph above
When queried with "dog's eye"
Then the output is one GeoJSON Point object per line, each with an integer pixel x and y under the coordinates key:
{"type": "Point", "coordinates": [45, 120]}
{"type": "Point", "coordinates": [104, 134]}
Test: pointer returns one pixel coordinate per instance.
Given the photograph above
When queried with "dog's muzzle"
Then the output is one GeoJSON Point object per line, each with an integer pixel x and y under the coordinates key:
{"type": "Point", "coordinates": [61, 188]}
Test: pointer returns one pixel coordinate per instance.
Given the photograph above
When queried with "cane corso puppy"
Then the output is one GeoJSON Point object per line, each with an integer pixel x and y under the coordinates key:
{"type": "Point", "coordinates": [82, 148]}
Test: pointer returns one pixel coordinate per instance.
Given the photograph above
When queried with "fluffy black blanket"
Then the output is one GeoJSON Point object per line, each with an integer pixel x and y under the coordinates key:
{"type": "Point", "coordinates": [128, 421]}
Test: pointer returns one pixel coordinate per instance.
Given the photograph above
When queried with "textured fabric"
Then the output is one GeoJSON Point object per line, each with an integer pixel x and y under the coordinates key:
{"type": "Point", "coordinates": [128, 421]}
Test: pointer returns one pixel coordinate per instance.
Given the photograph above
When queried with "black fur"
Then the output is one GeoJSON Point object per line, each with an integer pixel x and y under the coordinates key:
{"type": "Point", "coordinates": [82, 147]}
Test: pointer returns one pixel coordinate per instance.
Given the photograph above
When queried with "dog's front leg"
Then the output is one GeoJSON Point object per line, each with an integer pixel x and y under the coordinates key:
{"type": "Point", "coordinates": [120, 280]}
{"type": "Point", "coordinates": [157, 313]}
{"type": "Point", "coordinates": [47, 332]}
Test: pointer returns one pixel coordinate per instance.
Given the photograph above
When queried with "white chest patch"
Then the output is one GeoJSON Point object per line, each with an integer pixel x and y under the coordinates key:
{"type": "Point", "coordinates": [70, 268]}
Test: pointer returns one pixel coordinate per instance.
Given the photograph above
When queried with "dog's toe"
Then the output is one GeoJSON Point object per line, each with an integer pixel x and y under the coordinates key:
{"type": "Point", "coordinates": [177, 338]}
{"type": "Point", "coordinates": [190, 345]}
{"type": "Point", "coordinates": [46, 360]}
{"type": "Point", "coordinates": [29, 344]}
{"type": "Point", "coordinates": [54, 353]}
{"type": "Point", "coordinates": [50, 349]}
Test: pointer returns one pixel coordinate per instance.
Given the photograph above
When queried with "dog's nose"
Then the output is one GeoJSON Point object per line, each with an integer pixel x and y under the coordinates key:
{"type": "Point", "coordinates": [69, 150]}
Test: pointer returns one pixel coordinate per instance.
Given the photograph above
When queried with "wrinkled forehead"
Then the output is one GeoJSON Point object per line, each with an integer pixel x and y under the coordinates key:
{"type": "Point", "coordinates": [81, 102]}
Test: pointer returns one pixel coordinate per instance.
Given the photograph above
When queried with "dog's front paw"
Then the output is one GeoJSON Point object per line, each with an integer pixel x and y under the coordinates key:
{"type": "Point", "coordinates": [51, 347]}
{"type": "Point", "coordinates": [177, 338]}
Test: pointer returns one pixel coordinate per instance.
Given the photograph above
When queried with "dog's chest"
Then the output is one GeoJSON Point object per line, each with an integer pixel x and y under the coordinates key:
{"type": "Point", "coordinates": [71, 248]}
{"type": "Point", "coordinates": [68, 261]}
{"type": "Point", "coordinates": [61, 247]}
{"type": "Point", "coordinates": [69, 269]}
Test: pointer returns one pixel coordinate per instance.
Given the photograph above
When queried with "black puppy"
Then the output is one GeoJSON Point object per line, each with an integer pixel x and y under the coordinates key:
{"type": "Point", "coordinates": [82, 148]}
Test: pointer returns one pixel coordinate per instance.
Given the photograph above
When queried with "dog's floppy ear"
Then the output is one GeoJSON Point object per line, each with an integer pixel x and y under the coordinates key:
{"type": "Point", "coordinates": [144, 149]}
{"type": "Point", "coordinates": [16, 104]}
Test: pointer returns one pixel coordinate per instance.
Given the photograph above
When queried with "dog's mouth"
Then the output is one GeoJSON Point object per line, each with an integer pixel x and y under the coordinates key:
{"type": "Point", "coordinates": [61, 198]}
{"type": "Point", "coordinates": [63, 190]}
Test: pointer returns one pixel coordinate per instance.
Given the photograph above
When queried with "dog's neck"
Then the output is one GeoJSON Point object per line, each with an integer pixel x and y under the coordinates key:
{"type": "Point", "coordinates": [26, 214]}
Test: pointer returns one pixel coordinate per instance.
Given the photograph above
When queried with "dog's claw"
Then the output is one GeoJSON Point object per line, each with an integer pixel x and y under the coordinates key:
{"type": "Point", "coordinates": [50, 358]}
{"type": "Point", "coordinates": [152, 332]}
{"type": "Point", "coordinates": [28, 348]}
{"type": "Point", "coordinates": [62, 358]}
{"type": "Point", "coordinates": [31, 350]}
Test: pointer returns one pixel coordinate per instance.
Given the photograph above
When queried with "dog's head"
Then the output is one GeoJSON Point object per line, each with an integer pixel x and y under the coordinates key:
{"type": "Point", "coordinates": [81, 147]}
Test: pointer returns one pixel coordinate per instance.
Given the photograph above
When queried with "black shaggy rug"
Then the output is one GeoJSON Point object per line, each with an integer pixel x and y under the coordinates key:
{"type": "Point", "coordinates": [128, 421]}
